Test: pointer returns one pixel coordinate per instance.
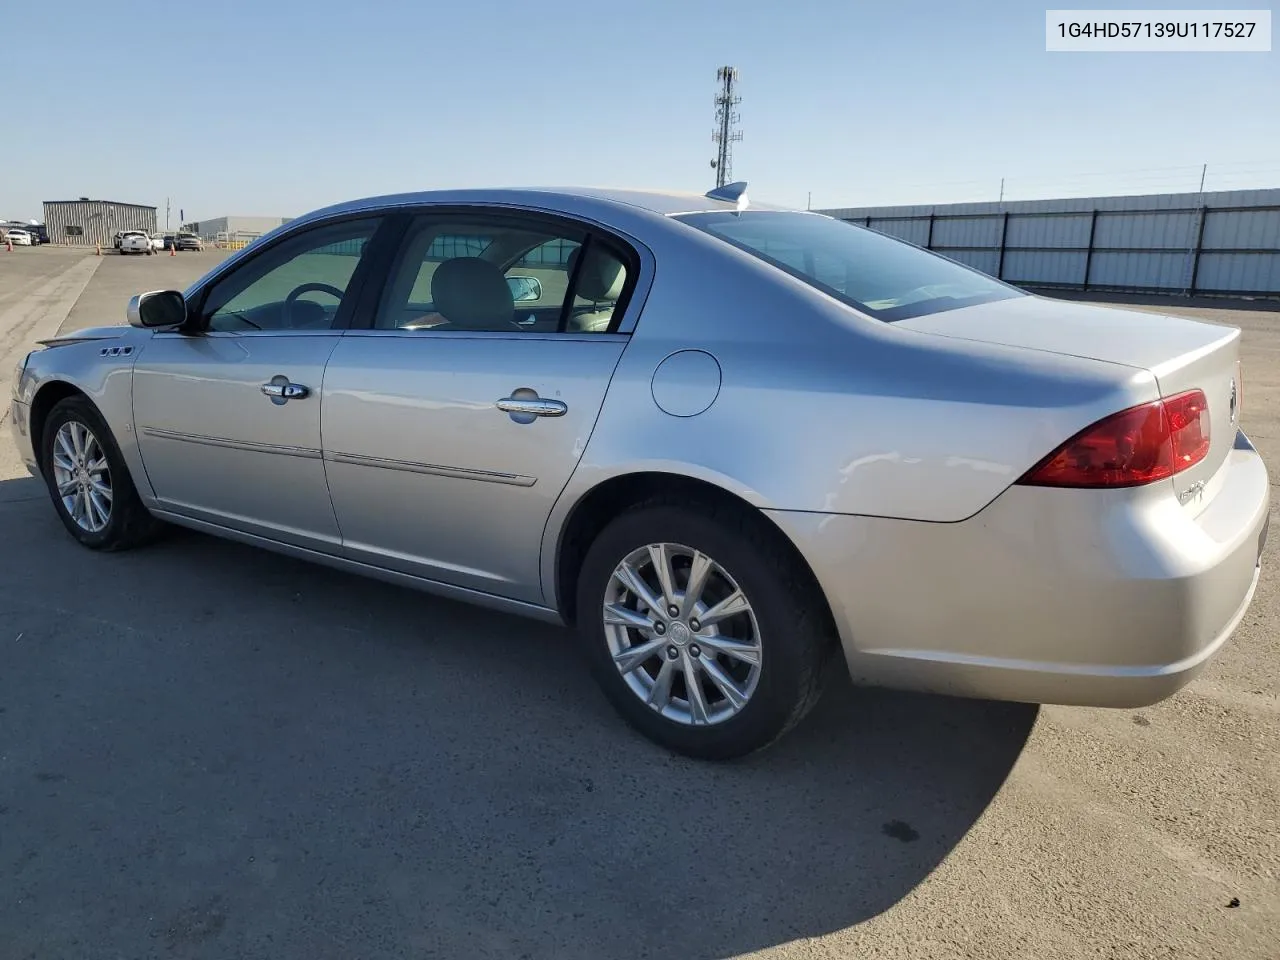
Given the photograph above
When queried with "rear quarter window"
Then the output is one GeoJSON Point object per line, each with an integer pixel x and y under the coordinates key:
{"type": "Point", "coordinates": [879, 275]}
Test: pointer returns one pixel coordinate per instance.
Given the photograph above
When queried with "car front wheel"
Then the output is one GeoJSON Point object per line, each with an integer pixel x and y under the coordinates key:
{"type": "Point", "coordinates": [88, 481]}
{"type": "Point", "coordinates": [701, 628]}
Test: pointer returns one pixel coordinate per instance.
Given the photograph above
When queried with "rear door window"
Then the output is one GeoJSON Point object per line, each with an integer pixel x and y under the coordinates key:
{"type": "Point", "coordinates": [464, 273]}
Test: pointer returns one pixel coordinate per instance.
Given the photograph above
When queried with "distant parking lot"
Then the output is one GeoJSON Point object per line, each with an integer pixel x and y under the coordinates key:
{"type": "Point", "coordinates": [211, 751]}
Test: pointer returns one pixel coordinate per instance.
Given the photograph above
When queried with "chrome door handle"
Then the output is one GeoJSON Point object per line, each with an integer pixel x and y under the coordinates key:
{"type": "Point", "coordinates": [533, 406]}
{"type": "Point", "coordinates": [280, 389]}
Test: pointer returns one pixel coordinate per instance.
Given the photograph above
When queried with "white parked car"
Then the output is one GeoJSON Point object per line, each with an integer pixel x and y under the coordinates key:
{"type": "Point", "coordinates": [157, 241]}
{"type": "Point", "coordinates": [136, 243]}
{"type": "Point", "coordinates": [19, 238]}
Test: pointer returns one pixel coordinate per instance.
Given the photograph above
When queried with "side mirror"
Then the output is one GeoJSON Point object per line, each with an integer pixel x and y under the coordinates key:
{"type": "Point", "coordinates": [525, 289]}
{"type": "Point", "coordinates": [158, 308]}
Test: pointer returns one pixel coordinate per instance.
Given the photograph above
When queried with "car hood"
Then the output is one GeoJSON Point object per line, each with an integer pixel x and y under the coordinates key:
{"type": "Point", "coordinates": [89, 333]}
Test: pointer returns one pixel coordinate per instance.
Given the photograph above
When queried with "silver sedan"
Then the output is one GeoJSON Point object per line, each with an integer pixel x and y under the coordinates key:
{"type": "Point", "coordinates": [730, 445]}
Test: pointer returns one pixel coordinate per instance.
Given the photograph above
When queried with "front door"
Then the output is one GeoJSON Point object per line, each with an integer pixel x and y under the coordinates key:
{"type": "Point", "coordinates": [227, 413]}
{"type": "Point", "coordinates": [452, 426]}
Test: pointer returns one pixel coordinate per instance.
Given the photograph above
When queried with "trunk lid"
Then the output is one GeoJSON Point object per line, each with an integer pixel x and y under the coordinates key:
{"type": "Point", "coordinates": [1181, 353]}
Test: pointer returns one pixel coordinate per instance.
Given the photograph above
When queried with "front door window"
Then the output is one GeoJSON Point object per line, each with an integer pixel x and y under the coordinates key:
{"type": "Point", "coordinates": [301, 284]}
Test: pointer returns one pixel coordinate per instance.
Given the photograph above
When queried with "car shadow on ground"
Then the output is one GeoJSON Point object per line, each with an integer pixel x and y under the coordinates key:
{"type": "Point", "coordinates": [218, 751]}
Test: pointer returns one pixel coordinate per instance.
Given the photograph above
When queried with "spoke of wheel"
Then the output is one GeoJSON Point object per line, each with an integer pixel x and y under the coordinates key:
{"type": "Point", "coordinates": [97, 511]}
{"type": "Point", "coordinates": [77, 440]}
{"type": "Point", "coordinates": [64, 444]}
{"type": "Point", "coordinates": [738, 649]}
{"type": "Point", "coordinates": [615, 614]}
{"type": "Point", "coordinates": [100, 488]}
{"type": "Point", "coordinates": [94, 461]}
{"type": "Point", "coordinates": [660, 695]}
{"type": "Point", "coordinates": [63, 462]}
{"type": "Point", "coordinates": [693, 689]}
{"type": "Point", "coordinates": [732, 604]}
{"type": "Point", "coordinates": [698, 574]}
{"type": "Point", "coordinates": [630, 578]}
{"type": "Point", "coordinates": [66, 486]}
{"type": "Point", "coordinates": [632, 657]}
{"type": "Point", "coordinates": [724, 683]}
{"type": "Point", "coordinates": [79, 507]}
{"type": "Point", "coordinates": [660, 556]}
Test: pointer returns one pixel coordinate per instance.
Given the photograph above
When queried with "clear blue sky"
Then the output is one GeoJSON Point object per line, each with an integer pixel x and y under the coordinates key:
{"type": "Point", "coordinates": [279, 106]}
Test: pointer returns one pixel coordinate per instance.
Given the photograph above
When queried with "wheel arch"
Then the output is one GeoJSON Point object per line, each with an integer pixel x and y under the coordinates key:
{"type": "Point", "coordinates": [49, 395]}
{"type": "Point", "coordinates": [603, 502]}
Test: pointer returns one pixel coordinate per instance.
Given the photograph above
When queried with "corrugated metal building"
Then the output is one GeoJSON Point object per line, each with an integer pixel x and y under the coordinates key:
{"type": "Point", "coordinates": [243, 228]}
{"type": "Point", "coordinates": [86, 222]}
{"type": "Point", "coordinates": [1211, 243]}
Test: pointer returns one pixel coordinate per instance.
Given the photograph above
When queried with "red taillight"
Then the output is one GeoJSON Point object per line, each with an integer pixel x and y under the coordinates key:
{"type": "Point", "coordinates": [1188, 415]}
{"type": "Point", "coordinates": [1127, 449]}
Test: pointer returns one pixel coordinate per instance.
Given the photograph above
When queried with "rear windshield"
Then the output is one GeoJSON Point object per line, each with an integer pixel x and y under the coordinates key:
{"type": "Point", "coordinates": [887, 278]}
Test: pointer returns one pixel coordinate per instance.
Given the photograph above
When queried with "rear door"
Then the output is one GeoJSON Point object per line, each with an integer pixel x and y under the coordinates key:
{"type": "Point", "coordinates": [453, 423]}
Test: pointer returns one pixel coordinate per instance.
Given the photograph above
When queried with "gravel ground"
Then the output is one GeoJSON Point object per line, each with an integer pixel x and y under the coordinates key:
{"type": "Point", "coordinates": [210, 751]}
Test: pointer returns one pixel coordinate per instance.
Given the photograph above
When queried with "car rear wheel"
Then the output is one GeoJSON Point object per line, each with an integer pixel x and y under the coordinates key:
{"type": "Point", "coordinates": [701, 631]}
{"type": "Point", "coordinates": [88, 481]}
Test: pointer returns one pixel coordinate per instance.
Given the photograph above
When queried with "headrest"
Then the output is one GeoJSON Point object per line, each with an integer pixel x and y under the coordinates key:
{"type": "Point", "coordinates": [602, 276]}
{"type": "Point", "coordinates": [472, 292]}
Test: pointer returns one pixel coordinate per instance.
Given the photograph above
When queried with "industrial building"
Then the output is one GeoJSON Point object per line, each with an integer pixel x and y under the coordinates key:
{"type": "Point", "coordinates": [234, 228]}
{"type": "Point", "coordinates": [1220, 243]}
{"type": "Point", "coordinates": [86, 222]}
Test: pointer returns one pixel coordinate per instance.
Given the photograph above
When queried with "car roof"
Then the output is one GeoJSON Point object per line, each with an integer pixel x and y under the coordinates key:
{"type": "Point", "coordinates": [569, 200]}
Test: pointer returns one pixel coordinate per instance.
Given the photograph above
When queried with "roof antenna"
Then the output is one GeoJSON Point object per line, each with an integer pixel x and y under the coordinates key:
{"type": "Point", "coordinates": [735, 193]}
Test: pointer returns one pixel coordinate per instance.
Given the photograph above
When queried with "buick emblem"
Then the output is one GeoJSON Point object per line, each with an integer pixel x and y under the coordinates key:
{"type": "Point", "coordinates": [1234, 401]}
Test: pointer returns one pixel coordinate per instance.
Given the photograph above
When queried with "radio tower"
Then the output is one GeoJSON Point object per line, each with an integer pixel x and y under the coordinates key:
{"type": "Point", "coordinates": [726, 132]}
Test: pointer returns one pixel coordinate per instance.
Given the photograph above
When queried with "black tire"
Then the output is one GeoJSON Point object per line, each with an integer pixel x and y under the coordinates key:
{"type": "Point", "coordinates": [129, 523]}
{"type": "Point", "coordinates": [795, 633]}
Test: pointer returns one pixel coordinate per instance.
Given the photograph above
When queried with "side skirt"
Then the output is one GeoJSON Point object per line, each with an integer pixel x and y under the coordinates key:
{"type": "Point", "coordinates": [463, 594]}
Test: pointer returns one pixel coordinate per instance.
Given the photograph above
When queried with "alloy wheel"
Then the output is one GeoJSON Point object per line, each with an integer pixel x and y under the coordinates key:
{"type": "Point", "coordinates": [682, 634]}
{"type": "Point", "coordinates": [83, 476]}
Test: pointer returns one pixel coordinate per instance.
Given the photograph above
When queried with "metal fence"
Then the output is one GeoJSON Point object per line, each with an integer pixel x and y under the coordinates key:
{"type": "Point", "coordinates": [1223, 244]}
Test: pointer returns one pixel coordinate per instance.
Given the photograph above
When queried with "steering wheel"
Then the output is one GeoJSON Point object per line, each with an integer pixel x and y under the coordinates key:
{"type": "Point", "coordinates": [299, 290]}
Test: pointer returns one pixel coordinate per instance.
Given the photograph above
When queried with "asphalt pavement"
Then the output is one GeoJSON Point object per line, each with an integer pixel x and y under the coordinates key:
{"type": "Point", "coordinates": [209, 751]}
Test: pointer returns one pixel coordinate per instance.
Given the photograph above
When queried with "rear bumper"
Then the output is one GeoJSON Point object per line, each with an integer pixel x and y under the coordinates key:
{"type": "Point", "coordinates": [1097, 598]}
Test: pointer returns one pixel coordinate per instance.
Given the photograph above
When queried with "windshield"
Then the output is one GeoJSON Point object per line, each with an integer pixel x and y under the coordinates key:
{"type": "Point", "coordinates": [879, 275]}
